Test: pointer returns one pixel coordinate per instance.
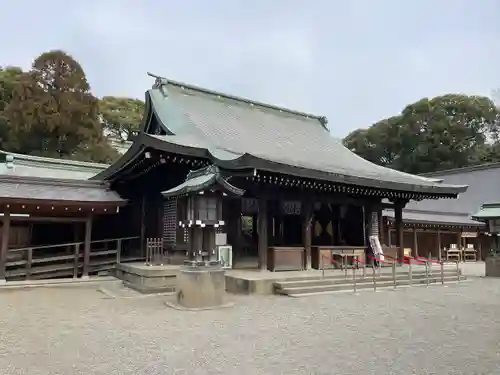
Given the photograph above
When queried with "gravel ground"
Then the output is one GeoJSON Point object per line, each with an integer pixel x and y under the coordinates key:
{"type": "Point", "coordinates": [435, 330]}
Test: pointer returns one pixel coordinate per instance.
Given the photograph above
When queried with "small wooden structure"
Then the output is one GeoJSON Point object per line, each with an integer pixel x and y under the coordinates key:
{"type": "Point", "coordinates": [47, 227]}
{"type": "Point", "coordinates": [450, 239]}
{"type": "Point", "coordinates": [154, 252]}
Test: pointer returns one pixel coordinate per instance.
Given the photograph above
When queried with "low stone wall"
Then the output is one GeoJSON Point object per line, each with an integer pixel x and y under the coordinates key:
{"type": "Point", "coordinates": [238, 285]}
{"type": "Point", "coordinates": [148, 279]}
{"type": "Point", "coordinates": [492, 266]}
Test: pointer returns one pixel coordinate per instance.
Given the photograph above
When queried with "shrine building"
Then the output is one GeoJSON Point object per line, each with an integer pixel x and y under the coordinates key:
{"type": "Point", "coordinates": [274, 180]}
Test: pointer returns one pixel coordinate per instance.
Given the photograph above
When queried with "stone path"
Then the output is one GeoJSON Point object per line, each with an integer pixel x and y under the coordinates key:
{"type": "Point", "coordinates": [435, 330]}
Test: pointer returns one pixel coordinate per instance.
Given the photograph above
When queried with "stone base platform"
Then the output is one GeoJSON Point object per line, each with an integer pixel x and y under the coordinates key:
{"type": "Point", "coordinates": [262, 282]}
{"type": "Point", "coordinates": [148, 279]}
{"type": "Point", "coordinates": [163, 279]}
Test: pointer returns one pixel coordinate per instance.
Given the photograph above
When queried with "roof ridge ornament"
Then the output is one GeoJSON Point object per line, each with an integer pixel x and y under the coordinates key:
{"type": "Point", "coordinates": [160, 83]}
{"type": "Point", "coordinates": [323, 121]}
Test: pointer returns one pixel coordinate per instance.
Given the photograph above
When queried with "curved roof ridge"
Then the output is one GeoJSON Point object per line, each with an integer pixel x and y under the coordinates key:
{"type": "Point", "coordinates": [322, 119]}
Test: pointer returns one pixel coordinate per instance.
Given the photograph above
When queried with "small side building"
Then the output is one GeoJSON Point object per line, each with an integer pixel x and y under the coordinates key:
{"type": "Point", "coordinates": [430, 225]}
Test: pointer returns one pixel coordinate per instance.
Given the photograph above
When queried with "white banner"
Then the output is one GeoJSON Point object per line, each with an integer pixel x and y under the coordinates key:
{"type": "Point", "coordinates": [376, 247]}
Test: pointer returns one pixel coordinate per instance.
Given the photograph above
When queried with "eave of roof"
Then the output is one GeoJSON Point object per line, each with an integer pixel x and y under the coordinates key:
{"type": "Point", "coordinates": [54, 190]}
{"type": "Point", "coordinates": [471, 168]}
{"type": "Point", "coordinates": [26, 165]}
{"type": "Point", "coordinates": [196, 122]}
{"type": "Point", "coordinates": [200, 180]}
{"type": "Point", "coordinates": [438, 218]}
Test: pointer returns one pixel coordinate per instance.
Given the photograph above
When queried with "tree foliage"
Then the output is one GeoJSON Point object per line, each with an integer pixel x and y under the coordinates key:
{"type": "Point", "coordinates": [448, 131]}
{"type": "Point", "coordinates": [52, 112]}
{"type": "Point", "coordinates": [120, 116]}
{"type": "Point", "coordinates": [9, 78]}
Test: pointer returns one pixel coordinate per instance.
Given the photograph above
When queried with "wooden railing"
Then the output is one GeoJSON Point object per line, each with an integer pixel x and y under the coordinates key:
{"type": "Point", "coordinates": [67, 259]}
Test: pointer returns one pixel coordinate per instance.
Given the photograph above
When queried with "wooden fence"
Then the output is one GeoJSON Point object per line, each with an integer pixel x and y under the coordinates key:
{"type": "Point", "coordinates": [68, 259]}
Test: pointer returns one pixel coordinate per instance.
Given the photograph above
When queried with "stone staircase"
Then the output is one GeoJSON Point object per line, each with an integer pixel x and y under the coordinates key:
{"type": "Point", "coordinates": [384, 280]}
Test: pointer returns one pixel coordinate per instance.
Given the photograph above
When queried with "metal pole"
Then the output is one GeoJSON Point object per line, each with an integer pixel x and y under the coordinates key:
{"type": "Point", "coordinates": [458, 271]}
{"type": "Point", "coordinates": [344, 262]}
{"type": "Point", "coordinates": [427, 273]}
{"type": "Point", "coordinates": [410, 274]}
{"type": "Point", "coordinates": [394, 273]}
{"type": "Point", "coordinates": [374, 279]}
{"type": "Point", "coordinates": [442, 273]}
{"type": "Point", "coordinates": [322, 266]}
{"type": "Point", "coordinates": [354, 278]}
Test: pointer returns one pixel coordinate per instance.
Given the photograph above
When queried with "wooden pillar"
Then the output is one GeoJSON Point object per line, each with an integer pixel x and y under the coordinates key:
{"type": "Point", "coordinates": [380, 224]}
{"type": "Point", "coordinates": [398, 213]}
{"type": "Point", "coordinates": [236, 214]}
{"type": "Point", "coordinates": [143, 227]}
{"type": "Point", "coordinates": [160, 215]}
{"type": "Point", "coordinates": [255, 230]}
{"type": "Point", "coordinates": [4, 247]}
{"type": "Point", "coordinates": [367, 223]}
{"type": "Point", "coordinates": [86, 246]}
{"type": "Point", "coordinates": [262, 242]}
{"type": "Point", "coordinates": [306, 233]}
{"type": "Point", "coordinates": [440, 251]}
{"type": "Point", "coordinates": [271, 213]}
{"type": "Point", "coordinates": [415, 243]}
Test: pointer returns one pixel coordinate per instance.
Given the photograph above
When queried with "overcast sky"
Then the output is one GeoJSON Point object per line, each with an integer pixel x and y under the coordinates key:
{"type": "Point", "coordinates": [353, 61]}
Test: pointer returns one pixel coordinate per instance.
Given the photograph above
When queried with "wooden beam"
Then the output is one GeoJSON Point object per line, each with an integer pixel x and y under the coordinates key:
{"type": "Point", "coordinates": [50, 219]}
{"type": "Point", "coordinates": [422, 230]}
{"type": "Point", "coordinates": [86, 246]}
{"type": "Point", "coordinates": [398, 214]}
{"type": "Point", "coordinates": [439, 244]}
{"type": "Point", "coordinates": [4, 247]}
{"type": "Point", "coordinates": [284, 194]}
{"type": "Point", "coordinates": [262, 225]}
{"type": "Point", "coordinates": [143, 226]}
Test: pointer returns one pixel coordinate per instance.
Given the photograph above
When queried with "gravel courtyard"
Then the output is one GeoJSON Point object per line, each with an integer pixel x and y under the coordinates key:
{"type": "Point", "coordinates": [436, 330]}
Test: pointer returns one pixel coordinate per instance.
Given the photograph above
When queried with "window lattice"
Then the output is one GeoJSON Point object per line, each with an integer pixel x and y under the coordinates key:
{"type": "Point", "coordinates": [169, 222]}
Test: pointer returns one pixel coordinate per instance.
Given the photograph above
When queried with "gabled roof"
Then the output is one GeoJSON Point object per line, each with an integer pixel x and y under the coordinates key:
{"type": "Point", "coordinates": [12, 164]}
{"type": "Point", "coordinates": [57, 190]}
{"type": "Point", "coordinates": [488, 211]}
{"type": "Point", "coordinates": [237, 133]}
{"type": "Point", "coordinates": [202, 179]}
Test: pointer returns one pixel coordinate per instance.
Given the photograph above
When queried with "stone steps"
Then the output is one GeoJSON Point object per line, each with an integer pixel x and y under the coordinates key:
{"type": "Point", "coordinates": [296, 288]}
{"type": "Point", "coordinates": [341, 279]}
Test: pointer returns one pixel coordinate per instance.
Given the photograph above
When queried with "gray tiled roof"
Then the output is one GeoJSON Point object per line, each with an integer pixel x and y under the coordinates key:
{"type": "Point", "coordinates": [232, 129]}
{"type": "Point", "coordinates": [31, 188]}
{"type": "Point", "coordinates": [484, 187]}
{"type": "Point", "coordinates": [435, 218]}
{"type": "Point", "coordinates": [35, 166]}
